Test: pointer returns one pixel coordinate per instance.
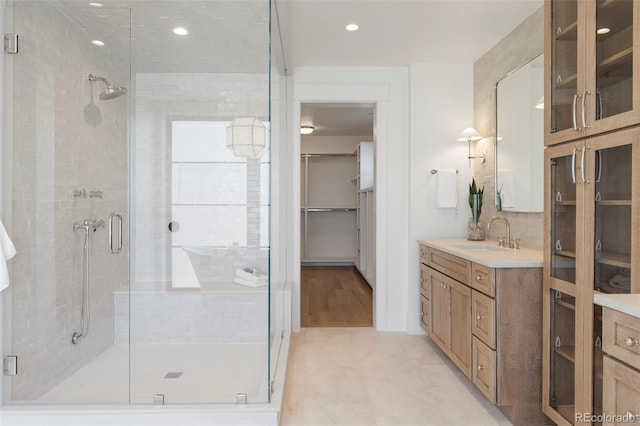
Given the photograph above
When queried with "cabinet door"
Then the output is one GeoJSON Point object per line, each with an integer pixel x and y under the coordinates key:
{"type": "Point", "coordinates": [563, 215]}
{"type": "Point", "coordinates": [612, 38]}
{"type": "Point", "coordinates": [563, 82]}
{"type": "Point", "coordinates": [439, 309]}
{"type": "Point", "coordinates": [559, 360]}
{"type": "Point", "coordinates": [460, 316]}
{"type": "Point", "coordinates": [621, 392]}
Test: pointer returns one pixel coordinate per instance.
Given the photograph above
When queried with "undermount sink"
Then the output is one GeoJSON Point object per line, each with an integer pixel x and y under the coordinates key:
{"type": "Point", "coordinates": [478, 247]}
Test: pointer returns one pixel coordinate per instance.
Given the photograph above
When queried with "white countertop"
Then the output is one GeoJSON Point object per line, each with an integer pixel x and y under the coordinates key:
{"type": "Point", "coordinates": [626, 303]}
{"type": "Point", "coordinates": [488, 253]}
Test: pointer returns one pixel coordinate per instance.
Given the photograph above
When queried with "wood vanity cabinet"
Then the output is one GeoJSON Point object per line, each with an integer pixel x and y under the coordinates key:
{"type": "Point", "coordinates": [488, 322]}
{"type": "Point", "coordinates": [592, 81]}
{"type": "Point", "coordinates": [621, 375]}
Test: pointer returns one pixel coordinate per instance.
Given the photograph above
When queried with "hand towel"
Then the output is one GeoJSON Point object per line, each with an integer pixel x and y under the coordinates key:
{"type": "Point", "coordinates": [7, 251]}
{"type": "Point", "coordinates": [249, 283]}
{"type": "Point", "coordinates": [251, 276]}
{"type": "Point", "coordinates": [507, 194]}
{"type": "Point", "coordinates": [447, 191]}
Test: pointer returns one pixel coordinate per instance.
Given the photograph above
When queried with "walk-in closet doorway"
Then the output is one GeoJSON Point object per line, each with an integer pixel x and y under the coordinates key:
{"type": "Point", "coordinates": [337, 214]}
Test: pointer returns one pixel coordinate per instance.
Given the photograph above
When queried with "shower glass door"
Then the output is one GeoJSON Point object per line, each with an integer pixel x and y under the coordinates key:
{"type": "Point", "coordinates": [65, 176]}
{"type": "Point", "coordinates": [199, 315]}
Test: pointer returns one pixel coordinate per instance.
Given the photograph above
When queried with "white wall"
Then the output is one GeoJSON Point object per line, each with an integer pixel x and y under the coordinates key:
{"type": "Point", "coordinates": [388, 89]}
{"type": "Point", "coordinates": [441, 105]}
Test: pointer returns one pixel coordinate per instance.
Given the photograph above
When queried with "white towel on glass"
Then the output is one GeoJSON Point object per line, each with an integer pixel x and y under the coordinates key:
{"type": "Point", "coordinates": [447, 194]}
{"type": "Point", "coordinates": [254, 276]}
{"type": "Point", "coordinates": [249, 283]}
{"type": "Point", "coordinates": [507, 190]}
{"type": "Point", "coordinates": [7, 251]}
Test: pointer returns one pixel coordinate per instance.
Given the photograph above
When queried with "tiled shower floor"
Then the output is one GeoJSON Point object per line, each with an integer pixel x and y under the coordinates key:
{"type": "Point", "coordinates": [210, 374]}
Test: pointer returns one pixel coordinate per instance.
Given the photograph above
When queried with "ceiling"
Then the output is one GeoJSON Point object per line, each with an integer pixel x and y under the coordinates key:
{"type": "Point", "coordinates": [396, 32]}
{"type": "Point", "coordinates": [392, 33]}
{"type": "Point", "coordinates": [231, 36]}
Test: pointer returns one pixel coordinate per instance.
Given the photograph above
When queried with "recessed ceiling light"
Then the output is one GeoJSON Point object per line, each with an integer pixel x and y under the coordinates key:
{"type": "Point", "coordinates": [97, 42]}
{"type": "Point", "coordinates": [603, 30]}
{"type": "Point", "coordinates": [180, 31]}
{"type": "Point", "coordinates": [95, 4]}
{"type": "Point", "coordinates": [306, 130]}
{"type": "Point", "coordinates": [352, 27]}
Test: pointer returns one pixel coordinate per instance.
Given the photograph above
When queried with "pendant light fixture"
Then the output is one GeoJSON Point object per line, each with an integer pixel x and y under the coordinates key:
{"type": "Point", "coordinates": [246, 137]}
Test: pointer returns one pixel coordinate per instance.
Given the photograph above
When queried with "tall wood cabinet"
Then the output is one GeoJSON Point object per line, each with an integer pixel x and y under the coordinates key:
{"type": "Point", "coordinates": [592, 56]}
{"type": "Point", "coordinates": [592, 245]}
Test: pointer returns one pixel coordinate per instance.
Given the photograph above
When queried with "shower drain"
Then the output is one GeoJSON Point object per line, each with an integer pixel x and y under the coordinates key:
{"type": "Point", "coordinates": [173, 375]}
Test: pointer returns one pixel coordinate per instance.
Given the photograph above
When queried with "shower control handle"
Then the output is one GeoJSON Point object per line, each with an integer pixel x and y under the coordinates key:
{"type": "Point", "coordinates": [118, 248]}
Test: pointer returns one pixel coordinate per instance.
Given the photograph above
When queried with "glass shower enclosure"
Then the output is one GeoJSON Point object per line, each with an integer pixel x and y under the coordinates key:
{"type": "Point", "coordinates": [131, 217]}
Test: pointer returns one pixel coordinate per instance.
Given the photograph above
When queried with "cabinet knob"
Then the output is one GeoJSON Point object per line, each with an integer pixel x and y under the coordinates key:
{"type": "Point", "coordinates": [630, 341]}
{"type": "Point", "coordinates": [421, 280]}
{"type": "Point", "coordinates": [479, 277]}
{"type": "Point", "coordinates": [480, 367]}
{"type": "Point", "coordinates": [479, 317]}
{"type": "Point", "coordinates": [422, 253]}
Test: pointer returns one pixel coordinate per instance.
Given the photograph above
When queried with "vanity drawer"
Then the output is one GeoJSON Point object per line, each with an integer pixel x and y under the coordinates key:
{"type": "Point", "coordinates": [483, 279]}
{"type": "Point", "coordinates": [424, 250]}
{"type": "Point", "coordinates": [425, 285]}
{"type": "Point", "coordinates": [425, 314]}
{"type": "Point", "coordinates": [484, 369]}
{"type": "Point", "coordinates": [453, 266]}
{"type": "Point", "coordinates": [621, 336]}
{"type": "Point", "coordinates": [483, 317]}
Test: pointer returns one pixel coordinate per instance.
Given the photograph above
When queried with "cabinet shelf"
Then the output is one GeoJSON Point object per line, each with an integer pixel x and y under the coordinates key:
{"type": "Point", "coordinates": [605, 287]}
{"type": "Point", "coordinates": [328, 209]}
{"type": "Point", "coordinates": [614, 203]}
{"type": "Point", "coordinates": [565, 203]}
{"type": "Point", "coordinates": [567, 81]}
{"type": "Point", "coordinates": [565, 304]}
{"type": "Point", "coordinates": [565, 253]}
{"type": "Point", "coordinates": [621, 260]}
{"type": "Point", "coordinates": [614, 61]}
{"type": "Point", "coordinates": [567, 352]}
{"type": "Point", "coordinates": [568, 33]}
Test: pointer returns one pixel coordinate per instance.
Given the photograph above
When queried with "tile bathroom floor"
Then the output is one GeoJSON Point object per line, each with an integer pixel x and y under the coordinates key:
{"type": "Point", "coordinates": [357, 376]}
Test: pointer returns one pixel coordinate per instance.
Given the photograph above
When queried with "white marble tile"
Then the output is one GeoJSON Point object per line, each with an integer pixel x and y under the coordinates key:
{"type": "Point", "coordinates": [357, 376]}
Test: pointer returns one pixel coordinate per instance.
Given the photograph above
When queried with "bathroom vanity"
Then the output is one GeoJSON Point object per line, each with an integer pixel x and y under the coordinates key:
{"type": "Point", "coordinates": [621, 344]}
{"type": "Point", "coordinates": [482, 305]}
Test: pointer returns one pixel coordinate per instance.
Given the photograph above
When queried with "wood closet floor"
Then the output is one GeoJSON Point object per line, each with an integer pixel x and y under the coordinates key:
{"type": "Point", "coordinates": [335, 296]}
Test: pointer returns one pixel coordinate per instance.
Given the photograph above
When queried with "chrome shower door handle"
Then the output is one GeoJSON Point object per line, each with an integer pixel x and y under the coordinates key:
{"type": "Point", "coordinates": [117, 249]}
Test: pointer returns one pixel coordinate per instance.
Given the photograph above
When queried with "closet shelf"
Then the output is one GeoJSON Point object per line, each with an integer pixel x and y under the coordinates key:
{"type": "Point", "coordinates": [615, 61]}
{"type": "Point", "coordinates": [568, 33]}
{"type": "Point", "coordinates": [614, 203]}
{"type": "Point", "coordinates": [621, 260]}
{"type": "Point", "coordinates": [565, 304]}
{"type": "Point", "coordinates": [567, 352]}
{"type": "Point", "coordinates": [565, 253]}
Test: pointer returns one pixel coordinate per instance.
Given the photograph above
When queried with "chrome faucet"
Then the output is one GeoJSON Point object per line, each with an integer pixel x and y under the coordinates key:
{"type": "Point", "coordinates": [507, 243]}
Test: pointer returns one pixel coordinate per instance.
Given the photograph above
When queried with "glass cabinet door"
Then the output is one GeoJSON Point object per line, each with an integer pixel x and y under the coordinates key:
{"type": "Point", "coordinates": [613, 65]}
{"type": "Point", "coordinates": [562, 354]}
{"type": "Point", "coordinates": [563, 162]}
{"type": "Point", "coordinates": [564, 65]}
{"type": "Point", "coordinates": [612, 217]}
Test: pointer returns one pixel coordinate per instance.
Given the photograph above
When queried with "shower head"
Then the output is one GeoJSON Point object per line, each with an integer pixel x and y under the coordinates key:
{"type": "Point", "coordinates": [111, 92]}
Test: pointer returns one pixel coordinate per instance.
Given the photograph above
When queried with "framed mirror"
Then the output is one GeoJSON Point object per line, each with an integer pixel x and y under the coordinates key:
{"type": "Point", "coordinates": [519, 142]}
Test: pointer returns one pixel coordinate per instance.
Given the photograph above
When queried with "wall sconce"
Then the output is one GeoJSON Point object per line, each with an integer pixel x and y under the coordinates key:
{"type": "Point", "coordinates": [246, 137]}
{"type": "Point", "coordinates": [469, 135]}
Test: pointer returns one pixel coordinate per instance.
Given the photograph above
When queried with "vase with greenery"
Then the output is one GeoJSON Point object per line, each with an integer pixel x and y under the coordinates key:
{"type": "Point", "coordinates": [476, 226]}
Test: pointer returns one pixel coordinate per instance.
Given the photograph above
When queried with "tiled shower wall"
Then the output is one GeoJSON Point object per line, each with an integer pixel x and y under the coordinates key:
{"type": "Point", "coordinates": [524, 43]}
{"type": "Point", "coordinates": [63, 139]}
{"type": "Point", "coordinates": [161, 98]}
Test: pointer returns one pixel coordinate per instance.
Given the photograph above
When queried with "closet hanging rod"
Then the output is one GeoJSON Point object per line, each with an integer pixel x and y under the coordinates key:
{"type": "Point", "coordinates": [434, 171]}
{"type": "Point", "coordinates": [328, 155]}
{"type": "Point", "coordinates": [329, 209]}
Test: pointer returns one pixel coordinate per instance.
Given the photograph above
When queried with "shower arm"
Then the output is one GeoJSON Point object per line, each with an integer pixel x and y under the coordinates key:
{"type": "Point", "coordinates": [96, 78]}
